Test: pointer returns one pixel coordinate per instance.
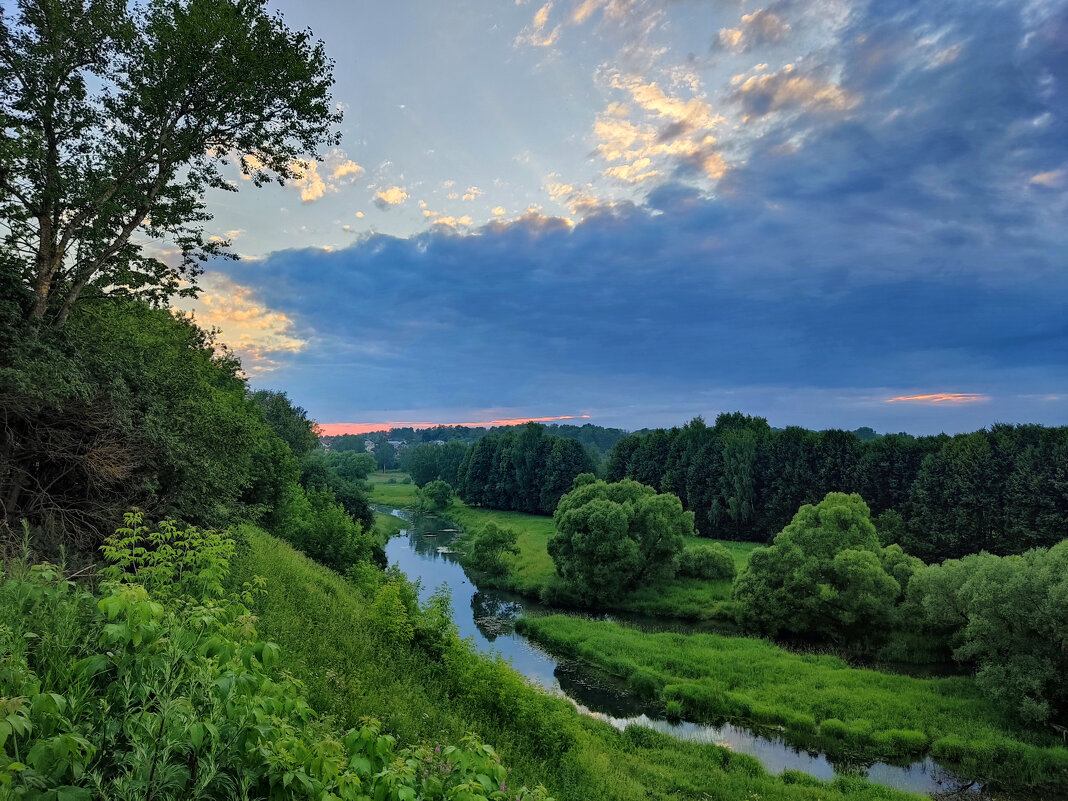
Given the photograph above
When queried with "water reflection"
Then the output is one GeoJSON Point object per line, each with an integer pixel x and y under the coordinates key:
{"type": "Point", "coordinates": [421, 552]}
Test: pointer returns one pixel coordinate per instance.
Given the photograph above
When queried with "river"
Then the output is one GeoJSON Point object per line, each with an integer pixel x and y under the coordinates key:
{"type": "Point", "coordinates": [487, 616]}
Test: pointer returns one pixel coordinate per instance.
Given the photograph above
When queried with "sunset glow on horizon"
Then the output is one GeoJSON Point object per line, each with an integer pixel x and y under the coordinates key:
{"type": "Point", "coordinates": [336, 429]}
{"type": "Point", "coordinates": [941, 397]}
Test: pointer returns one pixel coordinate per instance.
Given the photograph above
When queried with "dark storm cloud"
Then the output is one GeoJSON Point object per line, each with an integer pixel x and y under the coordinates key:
{"type": "Point", "coordinates": [902, 244]}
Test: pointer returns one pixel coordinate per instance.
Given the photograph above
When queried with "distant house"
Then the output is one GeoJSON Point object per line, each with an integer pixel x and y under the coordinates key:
{"type": "Point", "coordinates": [369, 445]}
{"type": "Point", "coordinates": [398, 443]}
{"type": "Point", "coordinates": [438, 442]}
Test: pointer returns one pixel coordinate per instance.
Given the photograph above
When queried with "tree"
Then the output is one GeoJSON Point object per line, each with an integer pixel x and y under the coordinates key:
{"type": "Point", "coordinates": [289, 421]}
{"type": "Point", "coordinates": [1008, 618]}
{"type": "Point", "coordinates": [486, 550]}
{"type": "Point", "coordinates": [350, 465]}
{"type": "Point", "coordinates": [824, 574]}
{"type": "Point", "coordinates": [436, 494]}
{"type": "Point", "coordinates": [385, 454]}
{"type": "Point", "coordinates": [117, 118]}
{"type": "Point", "coordinates": [612, 538]}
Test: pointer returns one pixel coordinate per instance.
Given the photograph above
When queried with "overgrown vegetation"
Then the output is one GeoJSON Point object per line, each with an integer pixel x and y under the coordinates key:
{"type": "Point", "coordinates": [329, 632]}
{"type": "Point", "coordinates": [159, 687]}
{"type": "Point", "coordinates": [819, 700]}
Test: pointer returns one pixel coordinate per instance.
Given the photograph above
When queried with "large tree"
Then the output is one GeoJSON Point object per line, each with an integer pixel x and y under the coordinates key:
{"type": "Point", "coordinates": [116, 118]}
{"type": "Point", "coordinates": [825, 574]}
{"type": "Point", "coordinates": [612, 538]}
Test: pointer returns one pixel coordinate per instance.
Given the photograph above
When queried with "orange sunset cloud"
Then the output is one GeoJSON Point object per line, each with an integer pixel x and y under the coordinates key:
{"type": "Point", "coordinates": [333, 429]}
{"type": "Point", "coordinates": [940, 397]}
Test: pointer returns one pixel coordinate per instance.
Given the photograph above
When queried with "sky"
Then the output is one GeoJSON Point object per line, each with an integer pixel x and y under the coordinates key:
{"type": "Point", "coordinates": [825, 212]}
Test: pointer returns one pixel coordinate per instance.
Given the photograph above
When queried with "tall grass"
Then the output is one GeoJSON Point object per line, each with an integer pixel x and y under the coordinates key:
{"type": "Point", "coordinates": [326, 629]}
{"type": "Point", "coordinates": [817, 699]}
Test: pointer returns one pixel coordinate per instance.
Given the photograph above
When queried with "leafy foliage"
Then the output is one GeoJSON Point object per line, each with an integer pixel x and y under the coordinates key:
{"type": "Point", "coordinates": [289, 422]}
{"type": "Point", "coordinates": [1003, 489]}
{"type": "Point", "coordinates": [119, 117]}
{"type": "Point", "coordinates": [485, 551]}
{"type": "Point", "coordinates": [435, 495]}
{"type": "Point", "coordinates": [206, 711]}
{"type": "Point", "coordinates": [611, 538]}
{"type": "Point", "coordinates": [709, 562]}
{"type": "Point", "coordinates": [525, 470]}
{"type": "Point", "coordinates": [130, 406]}
{"type": "Point", "coordinates": [427, 462]}
{"type": "Point", "coordinates": [1008, 617]}
{"type": "Point", "coordinates": [825, 574]}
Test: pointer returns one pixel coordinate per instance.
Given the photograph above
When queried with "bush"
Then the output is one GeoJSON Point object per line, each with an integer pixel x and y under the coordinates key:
{"type": "Point", "coordinates": [435, 495]}
{"type": "Point", "coordinates": [487, 548]}
{"type": "Point", "coordinates": [673, 710]}
{"type": "Point", "coordinates": [710, 562]}
{"type": "Point", "coordinates": [165, 646]}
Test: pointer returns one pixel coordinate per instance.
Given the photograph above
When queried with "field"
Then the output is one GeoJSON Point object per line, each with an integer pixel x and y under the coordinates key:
{"type": "Point", "coordinates": [817, 699]}
{"type": "Point", "coordinates": [395, 493]}
{"type": "Point", "coordinates": [532, 568]}
{"type": "Point", "coordinates": [322, 624]}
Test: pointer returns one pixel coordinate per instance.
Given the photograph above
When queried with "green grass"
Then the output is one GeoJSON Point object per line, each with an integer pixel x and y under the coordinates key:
{"type": "Point", "coordinates": [387, 526]}
{"type": "Point", "coordinates": [391, 494]}
{"type": "Point", "coordinates": [818, 699]}
{"type": "Point", "coordinates": [324, 627]}
{"type": "Point", "coordinates": [532, 568]}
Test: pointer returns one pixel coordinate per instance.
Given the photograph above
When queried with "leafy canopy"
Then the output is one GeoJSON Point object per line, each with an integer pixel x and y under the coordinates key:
{"type": "Point", "coordinates": [118, 117]}
{"type": "Point", "coordinates": [825, 574]}
{"type": "Point", "coordinates": [612, 538]}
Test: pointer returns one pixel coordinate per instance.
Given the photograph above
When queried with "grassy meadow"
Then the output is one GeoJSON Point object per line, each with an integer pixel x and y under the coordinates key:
{"type": "Point", "coordinates": [324, 626]}
{"type": "Point", "coordinates": [818, 700]}
{"type": "Point", "coordinates": [532, 568]}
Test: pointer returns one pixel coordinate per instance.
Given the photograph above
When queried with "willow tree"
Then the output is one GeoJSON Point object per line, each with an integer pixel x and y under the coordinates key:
{"type": "Point", "coordinates": [116, 119]}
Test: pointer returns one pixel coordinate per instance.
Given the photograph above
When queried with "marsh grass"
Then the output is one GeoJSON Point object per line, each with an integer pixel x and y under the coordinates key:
{"type": "Point", "coordinates": [817, 699]}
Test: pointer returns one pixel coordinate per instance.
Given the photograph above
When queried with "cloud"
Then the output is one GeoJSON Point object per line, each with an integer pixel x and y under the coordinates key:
{"type": "Point", "coordinates": [890, 243]}
{"type": "Point", "coordinates": [760, 27]}
{"type": "Point", "coordinates": [262, 337]}
{"type": "Point", "coordinates": [937, 398]}
{"type": "Point", "coordinates": [674, 132]}
{"type": "Point", "coordinates": [471, 193]}
{"type": "Point", "coordinates": [392, 196]}
{"type": "Point", "coordinates": [498, 211]}
{"type": "Point", "coordinates": [789, 88]}
{"type": "Point", "coordinates": [346, 168]}
{"type": "Point", "coordinates": [1051, 178]}
{"type": "Point", "coordinates": [311, 185]}
{"type": "Point", "coordinates": [536, 34]}
{"type": "Point", "coordinates": [305, 175]}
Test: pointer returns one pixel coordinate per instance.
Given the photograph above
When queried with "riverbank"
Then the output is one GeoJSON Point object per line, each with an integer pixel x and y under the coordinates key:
{"type": "Point", "coordinates": [324, 625]}
{"type": "Point", "coordinates": [531, 572]}
{"type": "Point", "coordinates": [817, 700]}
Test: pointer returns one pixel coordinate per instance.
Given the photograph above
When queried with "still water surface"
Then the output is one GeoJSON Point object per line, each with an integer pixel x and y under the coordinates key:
{"type": "Point", "coordinates": [487, 616]}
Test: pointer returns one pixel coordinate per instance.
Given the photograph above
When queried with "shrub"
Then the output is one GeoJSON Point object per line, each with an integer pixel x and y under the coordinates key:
{"type": "Point", "coordinates": [644, 684]}
{"type": "Point", "coordinates": [825, 574]}
{"type": "Point", "coordinates": [435, 495]}
{"type": "Point", "coordinates": [710, 562]}
{"type": "Point", "coordinates": [487, 548]}
{"type": "Point", "coordinates": [170, 693]}
{"type": "Point", "coordinates": [673, 710]}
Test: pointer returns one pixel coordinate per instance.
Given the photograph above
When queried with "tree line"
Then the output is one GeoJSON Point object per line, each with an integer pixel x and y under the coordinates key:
{"type": "Point", "coordinates": [524, 469]}
{"type": "Point", "coordinates": [1002, 489]}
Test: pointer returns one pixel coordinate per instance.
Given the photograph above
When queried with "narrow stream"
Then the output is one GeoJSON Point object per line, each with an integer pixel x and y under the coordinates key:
{"type": "Point", "coordinates": [488, 617]}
